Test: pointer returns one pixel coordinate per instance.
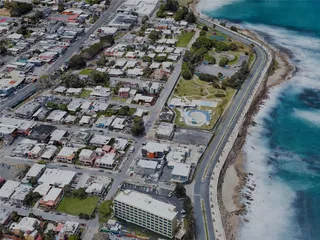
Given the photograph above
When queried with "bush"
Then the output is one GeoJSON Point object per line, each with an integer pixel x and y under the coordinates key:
{"type": "Point", "coordinates": [219, 95]}
{"type": "Point", "coordinates": [234, 28]}
{"type": "Point", "coordinates": [138, 127]}
{"type": "Point", "coordinates": [186, 74]}
{"type": "Point", "coordinates": [233, 47]}
{"type": "Point", "coordinates": [205, 28]}
{"type": "Point", "coordinates": [223, 62]}
{"type": "Point", "coordinates": [207, 77]}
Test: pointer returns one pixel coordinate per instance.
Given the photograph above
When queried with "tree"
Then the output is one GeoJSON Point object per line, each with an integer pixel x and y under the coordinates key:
{"type": "Point", "coordinates": [60, 7]}
{"type": "Point", "coordinates": [147, 59]}
{"type": "Point", "coordinates": [123, 111]}
{"type": "Point", "coordinates": [190, 17]}
{"type": "Point", "coordinates": [207, 77]}
{"type": "Point", "coordinates": [205, 28]}
{"type": "Point", "coordinates": [105, 210]}
{"type": "Point", "coordinates": [80, 193]}
{"type": "Point", "coordinates": [172, 5]}
{"type": "Point", "coordinates": [203, 42]}
{"type": "Point", "coordinates": [234, 28]}
{"type": "Point", "coordinates": [144, 19]}
{"type": "Point", "coordinates": [72, 80]}
{"type": "Point", "coordinates": [15, 217]}
{"type": "Point", "coordinates": [223, 62]}
{"type": "Point", "coordinates": [101, 62]}
{"type": "Point", "coordinates": [77, 62]}
{"type": "Point", "coordinates": [180, 190]}
{"type": "Point", "coordinates": [3, 50]}
{"type": "Point", "coordinates": [17, 8]}
{"type": "Point", "coordinates": [154, 35]}
{"type": "Point", "coordinates": [186, 74]}
{"type": "Point", "coordinates": [138, 127]}
{"type": "Point", "coordinates": [50, 235]}
{"type": "Point", "coordinates": [33, 181]}
{"type": "Point", "coordinates": [233, 47]}
{"type": "Point", "coordinates": [23, 30]}
{"type": "Point", "coordinates": [147, 72]}
{"type": "Point", "coordinates": [99, 78]}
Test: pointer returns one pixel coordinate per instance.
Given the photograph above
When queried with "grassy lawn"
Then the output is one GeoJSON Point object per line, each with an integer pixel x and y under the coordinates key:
{"type": "Point", "coordinates": [85, 71]}
{"type": "Point", "coordinates": [184, 39]}
{"type": "Point", "coordinates": [85, 94]}
{"type": "Point", "coordinates": [75, 206]}
{"type": "Point", "coordinates": [119, 99]}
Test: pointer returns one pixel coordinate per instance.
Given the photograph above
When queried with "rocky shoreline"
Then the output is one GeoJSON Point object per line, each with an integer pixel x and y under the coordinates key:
{"type": "Point", "coordinates": [283, 70]}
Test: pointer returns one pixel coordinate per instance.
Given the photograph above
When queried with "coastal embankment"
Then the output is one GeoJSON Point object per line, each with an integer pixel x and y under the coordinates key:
{"type": "Point", "coordinates": [232, 198]}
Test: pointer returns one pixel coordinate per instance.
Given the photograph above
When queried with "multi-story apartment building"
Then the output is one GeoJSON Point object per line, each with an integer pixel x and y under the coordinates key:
{"type": "Point", "coordinates": [145, 211]}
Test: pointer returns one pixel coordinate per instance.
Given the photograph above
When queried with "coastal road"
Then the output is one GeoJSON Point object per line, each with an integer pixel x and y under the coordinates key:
{"type": "Point", "coordinates": [31, 88]}
{"type": "Point", "coordinates": [201, 197]}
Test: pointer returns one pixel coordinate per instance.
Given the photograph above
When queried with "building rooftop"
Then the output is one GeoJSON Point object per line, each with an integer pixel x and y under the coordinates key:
{"type": "Point", "coordinates": [99, 140]}
{"type": "Point", "coordinates": [147, 164]}
{"type": "Point", "coordinates": [57, 135]}
{"type": "Point", "coordinates": [42, 189]}
{"type": "Point", "coordinates": [67, 151]}
{"type": "Point", "coordinates": [35, 170]}
{"type": "Point", "coordinates": [52, 195]}
{"type": "Point", "coordinates": [56, 177]}
{"type": "Point", "coordinates": [156, 147]}
{"type": "Point", "coordinates": [70, 227]}
{"type": "Point", "coordinates": [20, 124]}
{"type": "Point", "coordinates": [26, 224]}
{"type": "Point", "coordinates": [181, 169]}
{"type": "Point", "coordinates": [56, 115]}
{"type": "Point", "coordinates": [165, 129]}
{"type": "Point", "coordinates": [108, 159]}
{"type": "Point", "coordinates": [41, 132]}
{"type": "Point", "coordinates": [95, 188]}
{"type": "Point", "coordinates": [8, 188]}
{"type": "Point", "coordinates": [147, 203]}
{"type": "Point", "coordinates": [21, 191]}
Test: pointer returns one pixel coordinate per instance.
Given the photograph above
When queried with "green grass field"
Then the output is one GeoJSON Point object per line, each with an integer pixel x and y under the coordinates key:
{"type": "Point", "coordinates": [184, 39]}
{"type": "Point", "coordinates": [75, 206]}
{"type": "Point", "coordinates": [85, 93]}
{"type": "Point", "coordinates": [85, 71]}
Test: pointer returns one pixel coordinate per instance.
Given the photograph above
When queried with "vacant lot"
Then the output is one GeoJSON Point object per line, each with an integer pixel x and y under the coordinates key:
{"type": "Point", "coordinates": [184, 39]}
{"type": "Point", "coordinates": [75, 206]}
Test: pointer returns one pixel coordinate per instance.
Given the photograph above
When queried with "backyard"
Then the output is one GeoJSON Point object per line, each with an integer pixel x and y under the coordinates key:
{"type": "Point", "coordinates": [184, 39]}
{"type": "Point", "coordinates": [75, 206]}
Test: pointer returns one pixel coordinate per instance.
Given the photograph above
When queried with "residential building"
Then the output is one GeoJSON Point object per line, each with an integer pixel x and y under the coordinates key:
{"type": "Point", "coordinates": [26, 224]}
{"type": "Point", "coordinates": [57, 177]}
{"type": "Point", "coordinates": [99, 140]}
{"type": "Point", "coordinates": [67, 154]}
{"type": "Point", "coordinates": [20, 193]}
{"type": "Point", "coordinates": [68, 229]}
{"type": "Point", "coordinates": [95, 189]}
{"type": "Point", "coordinates": [147, 212]}
{"type": "Point", "coordinates": [146, 167]}
{"type": "Point", "coordinates": [35, 171]}
{"type": "Point", "coordinates": [124, 92]}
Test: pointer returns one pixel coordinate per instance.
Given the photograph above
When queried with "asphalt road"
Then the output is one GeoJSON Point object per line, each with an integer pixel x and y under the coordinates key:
{"type": "Point", "coordinates": [20, 95]}
{"type": "Point", "coordinates": [225, 128]}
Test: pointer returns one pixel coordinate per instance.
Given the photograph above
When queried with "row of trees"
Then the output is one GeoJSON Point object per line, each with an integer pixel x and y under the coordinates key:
{"type": "Point", "coordinates": [79, 61]}
{"type": "Point", "coordinates": [95, 78]}
{"type": "Point", "coordinates": [237, 79]}
{"type": "Point", "coordinates": [184, 14]}
{"type": "Point", "coordinates": [17, 8]}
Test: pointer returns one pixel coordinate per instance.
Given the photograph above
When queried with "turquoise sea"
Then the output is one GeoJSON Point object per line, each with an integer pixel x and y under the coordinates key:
{"type": "Point", "coordinates": [283, 149]}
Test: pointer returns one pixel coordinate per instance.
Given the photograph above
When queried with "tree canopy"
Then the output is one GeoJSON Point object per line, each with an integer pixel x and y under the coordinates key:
{"type": "Point", "coordinates": [138, 127]}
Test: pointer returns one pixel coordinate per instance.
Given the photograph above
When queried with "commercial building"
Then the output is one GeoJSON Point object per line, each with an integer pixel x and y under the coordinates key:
{"type": "Point", "coordinates": [41, 132]}
{"type": "Point", "coordinates": [107, 161]}
{"type": "Point", "coordinates": [95, 189]}
{"type": "Point", "coordinates": [180, 172]}
{"type": "Point", "coordinates": [154, 150]}
{"type": "Point", "coordinates": [165, 130]}
{"type": "Point", "coordinates": [146, 167]}
{"type": "Point", "coordinates": [142, 7]}
{"type": "Point", "coordinates": [123, 21]}
{"type": "Point", "coordinates": [36, 151]}
{"type": "Point", "coordinates": [28, 109]}
{"type": "Point", "coordinates": [52, 198]}
{"type": "Point", "coordinates": [104, 122]}
{"type": "Point", "coordinates": [56, 116]}
{"type": "Point", "coordinates": [147, 212]}
{"type": "Point", "coordinates": [56, 177]}
{"type": "Point", "coordinates": [58, 135]}
{"type": "Point", "coordinates": [5, 216]}
{"type": "Point", "coordinates": [8, 189]}
{"type": "Point", "coordinates": [49, 153]}
{"type": "Point", "coordinates": [67, 154]}
{"type": "Point", "coordinates": [68, 229]}
{"type": "Point", "coordinates": [35, 171]}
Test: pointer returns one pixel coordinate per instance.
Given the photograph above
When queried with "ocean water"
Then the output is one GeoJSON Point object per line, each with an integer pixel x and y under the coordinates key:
{"type": "Point", "coordinates": [283, 148]}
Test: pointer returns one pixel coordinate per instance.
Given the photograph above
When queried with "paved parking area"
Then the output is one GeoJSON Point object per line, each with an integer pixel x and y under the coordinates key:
{"type": "Point", "coordinates": [192, 137]}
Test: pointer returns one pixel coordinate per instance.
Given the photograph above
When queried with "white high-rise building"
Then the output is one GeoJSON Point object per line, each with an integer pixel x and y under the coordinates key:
{"type": "Point", "coordinates": [145, 211]}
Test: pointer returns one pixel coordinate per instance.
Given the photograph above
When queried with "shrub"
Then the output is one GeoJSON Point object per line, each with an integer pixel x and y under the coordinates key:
{"type": "Point", "coordinates": [186, 74]}
{"type": "Point", "coordinates": [223, 62]}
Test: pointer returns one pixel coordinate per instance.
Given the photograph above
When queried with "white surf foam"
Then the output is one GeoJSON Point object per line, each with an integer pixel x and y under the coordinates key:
{"type": "Point", "coordinates": [308, 116]}
{"type": "Point", "coordinates": [211, 5]}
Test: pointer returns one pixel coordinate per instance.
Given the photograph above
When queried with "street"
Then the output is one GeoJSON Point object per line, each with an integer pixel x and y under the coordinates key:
{"type": "Point", "coordinates": [225, 128]}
